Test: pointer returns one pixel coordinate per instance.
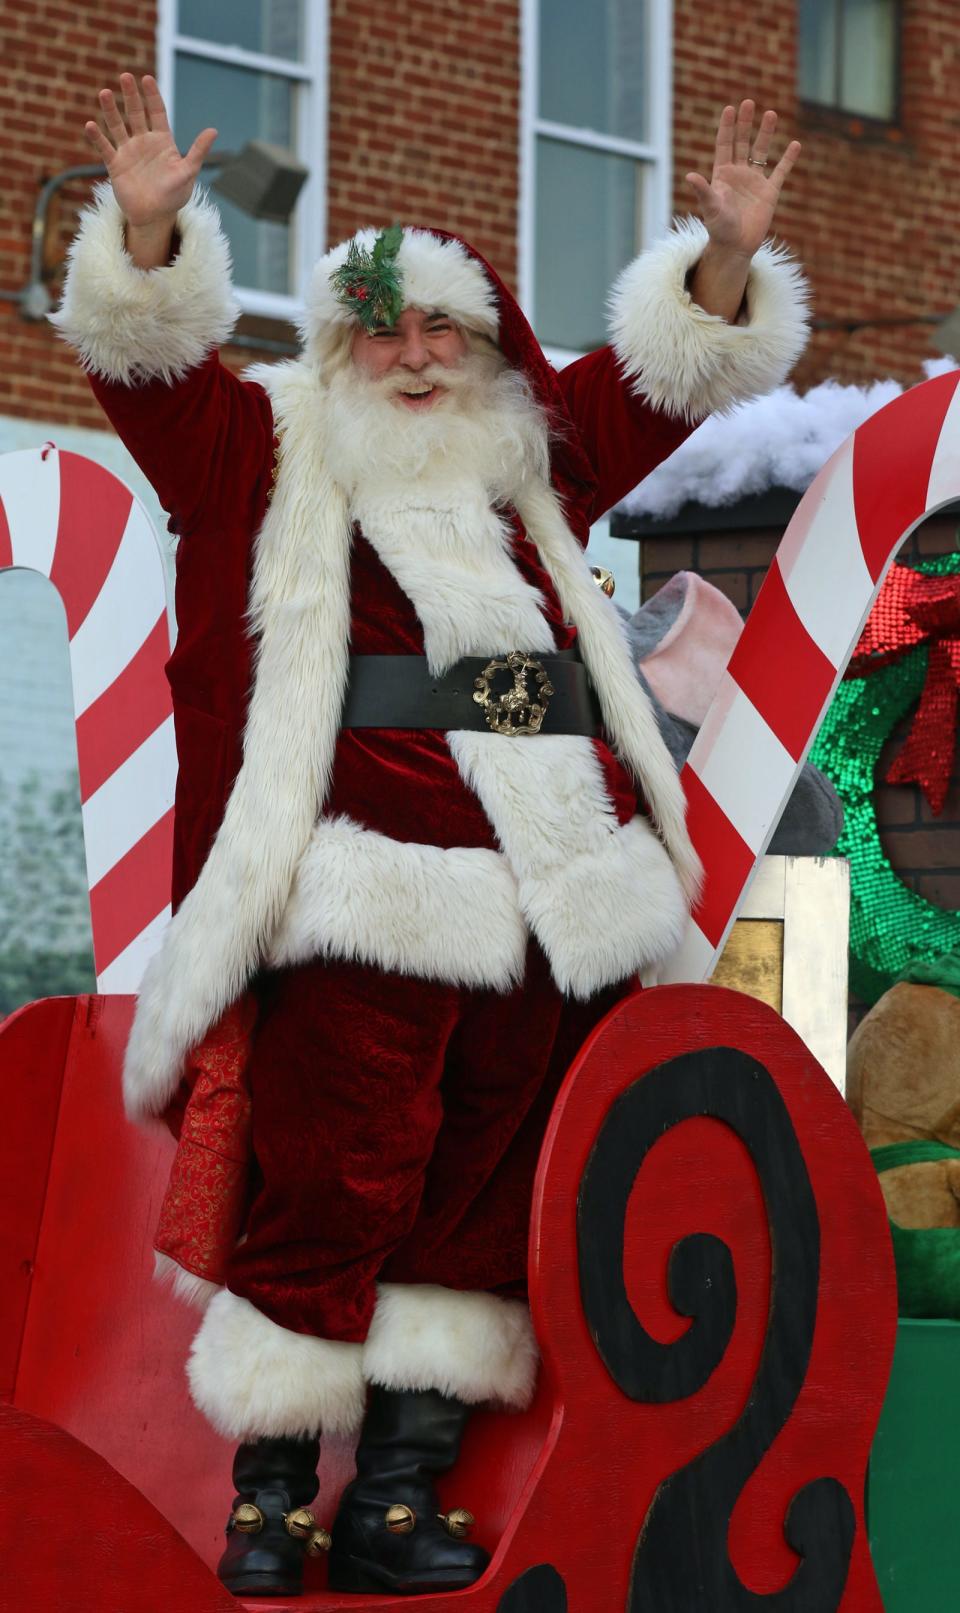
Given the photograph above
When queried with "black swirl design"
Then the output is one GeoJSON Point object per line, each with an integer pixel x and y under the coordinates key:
{"type": "Point", "coordinates": [539, 1590]}
{"type": "Point", "coordinates": [681, 1563]}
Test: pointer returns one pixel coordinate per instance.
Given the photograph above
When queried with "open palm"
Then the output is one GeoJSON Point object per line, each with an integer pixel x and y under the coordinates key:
{"type": "Point", "coordinates": [738, 204]}
{"type": "Point", "coordinates": [150, 178]}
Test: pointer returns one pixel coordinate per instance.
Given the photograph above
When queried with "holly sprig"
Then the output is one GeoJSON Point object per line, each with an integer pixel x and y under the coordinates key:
{"type": "Point", "coordinates": [370, 283]}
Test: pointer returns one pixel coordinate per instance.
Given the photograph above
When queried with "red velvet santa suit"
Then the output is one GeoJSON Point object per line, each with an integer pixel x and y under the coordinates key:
{"type": "Point", "coordinates": [431, 922]}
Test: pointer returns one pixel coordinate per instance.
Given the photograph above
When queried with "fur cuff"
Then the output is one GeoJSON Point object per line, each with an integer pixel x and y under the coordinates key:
{"type": "Point", "coordinates": [186, 1285]}
{"type": "Point", "coordinates": [413, 909]}
{"type": "Point", "coordinates": [473, 1346]}
{"type": "Point", "coordinates": [131, 325]}
{"type": "Point", "coordinates": [253, 1379]}
{"type": "Point", "coordinates": [690, 363]}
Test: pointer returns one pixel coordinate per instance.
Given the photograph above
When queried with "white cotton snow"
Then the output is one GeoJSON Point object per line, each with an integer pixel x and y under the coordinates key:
{"type": "Point", "coordinates": [781, 440]}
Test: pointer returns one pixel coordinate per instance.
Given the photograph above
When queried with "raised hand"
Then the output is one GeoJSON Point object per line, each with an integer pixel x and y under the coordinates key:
{"type": "Point", "coordinates": [738, 204]}
{"type": "Point", "coordinates": [150, 179]}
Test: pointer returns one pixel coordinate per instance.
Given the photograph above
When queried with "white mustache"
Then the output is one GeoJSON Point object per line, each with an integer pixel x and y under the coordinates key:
{"type": "Point", "coordinates": [433, 375]}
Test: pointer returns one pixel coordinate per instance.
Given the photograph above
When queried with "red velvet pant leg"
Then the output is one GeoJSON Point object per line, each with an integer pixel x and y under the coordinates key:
{"type": "Point", "coordinates": [345, 1075]}
{"type": "Point", "coordinates": [506, 1062]}
{"type": "Point", "coordinates": [397, 1125]}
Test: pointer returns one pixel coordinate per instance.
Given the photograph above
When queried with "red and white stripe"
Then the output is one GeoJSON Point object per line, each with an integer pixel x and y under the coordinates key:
{"type": "Point", "coordinates": [73, 521]}
{"type": "Point", "coordinates": [898, 467]}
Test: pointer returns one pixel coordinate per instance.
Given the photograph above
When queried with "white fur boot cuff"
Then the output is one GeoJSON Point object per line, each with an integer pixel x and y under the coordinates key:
{"type": "Point", "coordinates": [473, 1346]}
{"type": "Point", "coordinates": [252, 1379]}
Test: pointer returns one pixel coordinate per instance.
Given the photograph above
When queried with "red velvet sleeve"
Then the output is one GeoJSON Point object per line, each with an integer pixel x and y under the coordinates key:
{"type": "Point", "coordinates": [204, 443]}
{"type": "Point", "coordinates": [623, 435]}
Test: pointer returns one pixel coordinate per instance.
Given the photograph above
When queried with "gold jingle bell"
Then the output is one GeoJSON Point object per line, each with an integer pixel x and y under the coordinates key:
{"type": "Point", "coordinates": [400, 1520]}
{"type": "Point", "coordinates": [247, 1518]}
{"type": "Point", "coordinates": [300, 1524]}
{"type": "Point", "coordinates": [457, 1522]}
{"type": "Point", "coordinates": [320, 1541]}
{"type": "Point", "coordinates": [604, 580]}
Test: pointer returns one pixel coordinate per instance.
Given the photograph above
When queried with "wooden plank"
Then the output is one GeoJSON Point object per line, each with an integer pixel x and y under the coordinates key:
{"type": "Point", "coordinates": [752, 961]}
{"type": "Point", "coordinates": [815, 958]}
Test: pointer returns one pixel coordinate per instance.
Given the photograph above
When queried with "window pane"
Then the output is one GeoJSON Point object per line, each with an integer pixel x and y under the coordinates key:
{"type": "Point", "coordinates": [868, 76]}
{"type": "Point", "coordinates": [818, 51]}
{"type": "Point", "coordinates": [593, 65]}
{"type": "Point", "coordinates": [46, 946]}
{"type": "Point", "coordinates": [588, 213]}
{"type": "Point", "coordinates": [272, 26]}
{"type": "Point", "coordinates": [242, 105]}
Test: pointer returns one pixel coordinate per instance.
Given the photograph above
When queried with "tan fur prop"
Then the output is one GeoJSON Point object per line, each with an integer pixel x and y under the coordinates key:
{"type": "Point", "coordinates": [903, 1084]}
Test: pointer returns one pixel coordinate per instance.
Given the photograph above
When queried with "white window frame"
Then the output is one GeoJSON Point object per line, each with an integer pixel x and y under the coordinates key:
{"type": "Point", "coordinates": [309, 235]}
{"type": "Point", "coordinates": [657, 153]}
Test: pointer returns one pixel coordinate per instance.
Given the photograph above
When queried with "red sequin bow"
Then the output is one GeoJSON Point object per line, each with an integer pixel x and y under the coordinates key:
{"type": "Point", "coordinates": [910, 610]}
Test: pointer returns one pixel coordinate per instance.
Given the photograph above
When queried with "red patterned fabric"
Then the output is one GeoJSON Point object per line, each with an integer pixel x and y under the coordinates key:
{"type": "Point", "coordinates": [203, 1209]}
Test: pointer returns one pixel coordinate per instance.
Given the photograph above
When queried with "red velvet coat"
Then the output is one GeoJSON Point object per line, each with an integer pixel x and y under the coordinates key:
{"type": "Point", "coordinates": [207, 445]}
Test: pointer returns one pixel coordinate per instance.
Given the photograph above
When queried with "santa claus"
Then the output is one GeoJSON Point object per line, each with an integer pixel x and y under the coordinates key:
{"type": "Point", "coordinates": [427, 832]}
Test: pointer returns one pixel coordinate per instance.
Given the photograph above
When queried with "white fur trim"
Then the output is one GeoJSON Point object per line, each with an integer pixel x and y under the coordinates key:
{"type": "Point", "coordinates": [252, 1379]}
{"type": "Point", "coordinates": [454, 563]}
{"type": "Point", "coordinates": [186, 1285]}
{"type": "Point", "coordinates": [131, 324]}
{"type": "Point", "coordinates": [691, 363]}
{"type": "Point", "coordinates": [300, 609]}
{"type": "Point", "coordinates": [474, 1346]}
{"type": "Point", "coordinates": [627, 713]}
{"type": "Point", "coordinates": [436, 274]}
{"type": "Point", "coordinates": [603, 901]}
{"type": "Point", "coordinates": [414, 909]}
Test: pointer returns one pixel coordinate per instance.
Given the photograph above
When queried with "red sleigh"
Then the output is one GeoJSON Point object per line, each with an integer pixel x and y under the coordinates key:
{"type": "Point", "coordinates": [710, 1273]}
{"type": "Point", "coordinates": [711, 1284]}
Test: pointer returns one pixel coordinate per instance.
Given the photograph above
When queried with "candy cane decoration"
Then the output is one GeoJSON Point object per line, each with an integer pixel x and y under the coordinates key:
{"type": "Point", "coordinates": [73, 521]}
{"type": "Point", "coordinates": [898, 467]}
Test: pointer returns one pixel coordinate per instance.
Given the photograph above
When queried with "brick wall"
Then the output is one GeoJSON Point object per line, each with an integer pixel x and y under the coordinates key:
{"type": "Point", "coordinates": [423, 128]}
{"type": "Point", "coordinates": [869, 210]}
{"type": "Point", "coordinates": [423, 119]}
{"type": "Point", "coordinates": [53, 59]}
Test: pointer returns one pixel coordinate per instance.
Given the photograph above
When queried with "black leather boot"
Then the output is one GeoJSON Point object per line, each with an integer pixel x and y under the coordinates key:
{"type": "Point", "coordinates": [269, 1531]}
{"type": "Point", "coordinates": [388, 1535]}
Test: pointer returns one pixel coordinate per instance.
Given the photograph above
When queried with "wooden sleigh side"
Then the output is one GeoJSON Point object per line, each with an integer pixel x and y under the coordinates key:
{"type": "Point", "coordinates": [711, 1283]}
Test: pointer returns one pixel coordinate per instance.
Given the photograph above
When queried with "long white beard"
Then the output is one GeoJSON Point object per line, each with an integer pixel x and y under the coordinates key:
{"type": "Point", "coordinates": [429, 491]}
{"type": "Point", "coordinates": [487, 432]}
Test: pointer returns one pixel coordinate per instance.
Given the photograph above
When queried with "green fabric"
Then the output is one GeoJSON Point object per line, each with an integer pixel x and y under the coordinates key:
{"type": "Point", "coordinates": [919, 1151]}
{"type": "Point", "coordinates": [912, 1488]}
{"type": "Point", "coordinates": [927, 1258]}
{"type": "Point", "coordinates": [943, 972]}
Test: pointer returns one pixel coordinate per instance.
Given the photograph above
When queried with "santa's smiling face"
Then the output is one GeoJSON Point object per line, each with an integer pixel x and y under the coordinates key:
{"type": "Point", "coordinates": [410, 356]}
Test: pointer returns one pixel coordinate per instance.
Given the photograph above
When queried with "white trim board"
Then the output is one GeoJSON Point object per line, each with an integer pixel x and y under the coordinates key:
{"type": "Point", "coordinates": [810, 896]}
{"type": "Point", "coordinates": [310, 224]}
{"type": "Point", "coordinates": [656, 153]}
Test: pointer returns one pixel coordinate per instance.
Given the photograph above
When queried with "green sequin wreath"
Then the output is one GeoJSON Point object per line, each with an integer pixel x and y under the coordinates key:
{"type": "Point", "coordinates": [890, 925]}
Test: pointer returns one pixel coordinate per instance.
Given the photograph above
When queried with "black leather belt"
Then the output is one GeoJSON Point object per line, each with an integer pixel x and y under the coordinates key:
{"type": "Point", "coordinates": [509, 694]}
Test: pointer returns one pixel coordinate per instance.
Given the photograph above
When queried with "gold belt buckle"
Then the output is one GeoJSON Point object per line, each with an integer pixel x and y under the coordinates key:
{"type": "Point", "coordinates": [516, 711]}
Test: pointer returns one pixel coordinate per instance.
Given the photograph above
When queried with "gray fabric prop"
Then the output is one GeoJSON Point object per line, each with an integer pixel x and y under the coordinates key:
{"type": "Point", "coordinates": [812, 820]}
